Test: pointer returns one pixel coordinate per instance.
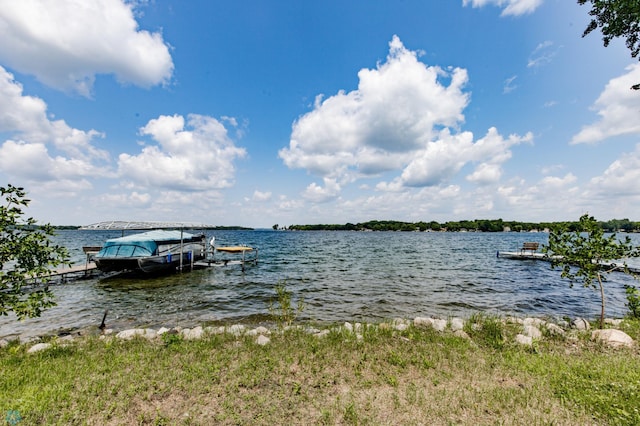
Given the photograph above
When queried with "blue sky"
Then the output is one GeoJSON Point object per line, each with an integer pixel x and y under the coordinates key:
{"type": "Point", "coordinates": [257, 113]}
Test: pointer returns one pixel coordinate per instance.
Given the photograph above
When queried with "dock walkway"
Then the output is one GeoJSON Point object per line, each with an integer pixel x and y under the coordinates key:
{"type": "Point", "coordinates": [89, 269]}
{"type": "Point", "coordinates": [617, 266]}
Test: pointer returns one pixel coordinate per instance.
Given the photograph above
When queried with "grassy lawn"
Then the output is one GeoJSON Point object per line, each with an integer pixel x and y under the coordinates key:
{"type": "Point", "coordinates": [384, 376]}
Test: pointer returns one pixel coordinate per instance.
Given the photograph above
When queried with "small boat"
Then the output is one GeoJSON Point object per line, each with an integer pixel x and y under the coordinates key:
{"type": "Point", "coordinates": [151, 252]}
{"type": "Point", "coordinates": [229, 255]}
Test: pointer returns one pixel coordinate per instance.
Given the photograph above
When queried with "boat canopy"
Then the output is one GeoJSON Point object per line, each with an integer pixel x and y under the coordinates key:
{"type": "Point", "coordinates": [132, 225]}
{"type": "Point", "coordinates": [144, 244]}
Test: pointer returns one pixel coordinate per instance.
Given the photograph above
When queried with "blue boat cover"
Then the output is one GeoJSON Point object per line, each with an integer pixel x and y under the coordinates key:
{"type": "Point", "coordinates": [140, 245]}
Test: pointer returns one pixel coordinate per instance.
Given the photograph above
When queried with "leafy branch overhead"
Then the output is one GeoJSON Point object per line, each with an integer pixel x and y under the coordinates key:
{"type": "Point", "coordinates": [616, 18]}
{"type": "Point", "coordinates": [26, 257]}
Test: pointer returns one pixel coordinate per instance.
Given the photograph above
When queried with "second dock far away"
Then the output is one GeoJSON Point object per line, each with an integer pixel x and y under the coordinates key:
{"type": "Point", "coordinates": [529, 252]}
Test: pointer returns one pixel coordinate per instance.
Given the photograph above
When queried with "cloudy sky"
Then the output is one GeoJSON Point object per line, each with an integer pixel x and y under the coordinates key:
{"type": "Point", "coordinates": [285, 112]}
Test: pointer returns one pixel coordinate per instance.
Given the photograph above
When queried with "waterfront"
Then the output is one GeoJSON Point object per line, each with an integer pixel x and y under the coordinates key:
{"type": "Point", "coordinates": [342, 276]}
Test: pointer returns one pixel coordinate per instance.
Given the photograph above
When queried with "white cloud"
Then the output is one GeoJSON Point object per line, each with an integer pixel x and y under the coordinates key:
{"type": "Point", "coordinates": [439, 160]}
{"type": "Point", "coordinates": [319, 194]}
{"type": "Point", "coordinates": [621, 177]}
{"type": "Point", "coordinates": [261, 196]}
{"type": "Point", "coordinates": [288, 205]}
{"type": "Point", "coordinates": [543, 54]}
{"type": "Point", "coordinates": [400, 120]}
{"type": "Point", "coordinates": [552, 168]}
{"type": "Point", "coordinates": [558, 182]}
{"type": "Point", "coordinates": [132, 200]}
{"type": "Point", "coordinates": [520, 199]}
{"type": "Point", "coordinates": [66, 43]}
{"type": "Point", "coordinates": [508, 85]}
{"type": "Point", "coordinates": [444, 158]}
{"type": "Point", "coordinates": [397, 108]}
{"type": "Point", "coordinates": [510, 7]}
{"type": "Point", "coordinates": [485, 174]}
{"type": "Point", "coordinates": [617, 107]}
{"type": "Point", "coordinates": [32, 161]}
{"type": "Point", "coordinates": [43, 150]}
{"type": "Point", "coordinates": [196, 159]}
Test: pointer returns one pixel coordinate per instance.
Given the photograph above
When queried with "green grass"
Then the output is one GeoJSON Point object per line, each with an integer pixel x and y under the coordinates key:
{"type": "Point", "coordinates": [417, 376]}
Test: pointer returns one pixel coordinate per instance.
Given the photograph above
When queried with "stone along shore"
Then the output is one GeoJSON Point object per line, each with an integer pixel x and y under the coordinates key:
{"type": "Point", "coordinates": [530, 331]}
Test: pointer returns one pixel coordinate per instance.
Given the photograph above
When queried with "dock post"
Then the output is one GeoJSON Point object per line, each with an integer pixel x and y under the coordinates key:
{"type": "Point", "coordinates": [181, 246]}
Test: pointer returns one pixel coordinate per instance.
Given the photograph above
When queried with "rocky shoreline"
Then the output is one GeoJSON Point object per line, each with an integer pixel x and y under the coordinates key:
{"type": "Point", "coordinates": [531, 330]}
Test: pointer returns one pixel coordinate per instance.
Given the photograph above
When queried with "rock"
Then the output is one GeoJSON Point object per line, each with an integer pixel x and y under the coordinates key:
{"type": "Point", "coordinates": [580, 324]}
{"type": "Point", "coordinates": [162, 331]}
{"type": "Point", "coordinates": [214, 330]}
{"type": "Point", "coordinates": [423, 322]}
{"type": "Point", "coordinates": [259, 331]}
{"type": "Point", "coordinates": [524, 340]}
{"type": "Point", "coordinates": [457, 324]}
{"type": "Point", "coordinates": [322, 333]}
{"type": "Point", "coordinates": [439, 324]}
{"type": "Point", "coordinates": [612, 337]}
{"type": "Point", "coordinates": [401, 321]}
{"type": "Point", "coordinates": [348, 326]}
{"type": "Point", "coordinates": [537, 322]}
{"type": "Point", "coordinates": [236, 329]}
{"type": "Point", "coordinates": [39, 347]}
{"type": "Point", "coordinates": [514, 320]}
{"type": "Point", "coordinates": [66, 339]}
{"type": "Point", "coordinates": [613, 322]}
{"type": "Point", "coordinates": [262, 340]}
{"type": "Point", "coordinates": [555, 330]}
{"type": "Point", "coordinates": [147, 333]}
{"type": "Point", "coordinates": [532, 331]}
{"type": "Point", "coordinates": [462, 334]}
{"type": "Point", "coordinates": [195, 333]}
{"type": "Point", "coordinates": [400, 326]}
{"type": "Point", "coordinates": [3, 343]}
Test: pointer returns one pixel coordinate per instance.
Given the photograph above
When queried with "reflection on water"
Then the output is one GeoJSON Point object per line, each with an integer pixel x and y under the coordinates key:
{"type": "Point", "coordinates": [342, 276]}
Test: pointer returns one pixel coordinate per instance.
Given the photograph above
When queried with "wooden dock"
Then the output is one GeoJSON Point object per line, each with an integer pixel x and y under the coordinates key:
{"type": "Point", "coordinates": [522, 255]}
{"type": "Point", "coordinates": [617, 266]}
{"type": "Point", "coordinates": [87, 270]}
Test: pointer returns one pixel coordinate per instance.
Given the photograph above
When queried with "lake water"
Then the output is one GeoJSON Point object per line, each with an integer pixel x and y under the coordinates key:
{"type": "Point", "coordinates": [342, 276]}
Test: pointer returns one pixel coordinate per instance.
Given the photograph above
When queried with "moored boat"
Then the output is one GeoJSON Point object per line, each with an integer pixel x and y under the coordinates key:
{"type": "Point", "coordinates": [154, 251]}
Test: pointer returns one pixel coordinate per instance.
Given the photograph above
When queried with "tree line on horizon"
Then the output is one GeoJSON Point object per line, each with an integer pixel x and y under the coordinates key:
{"type": "Point", "coordinates": [476, 225]}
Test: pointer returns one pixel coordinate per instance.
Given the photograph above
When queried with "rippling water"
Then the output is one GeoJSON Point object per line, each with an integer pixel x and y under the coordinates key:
{"type": "Point", "coordinates": [342, 276]}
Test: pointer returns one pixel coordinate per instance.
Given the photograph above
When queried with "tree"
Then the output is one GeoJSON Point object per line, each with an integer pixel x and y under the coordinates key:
{"type": "Point", "coordinates": [616, 18]}
{"type": "Point", "coordinates": [26, 257]}
{"type": "Point", "coordinates": [586, 255]}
